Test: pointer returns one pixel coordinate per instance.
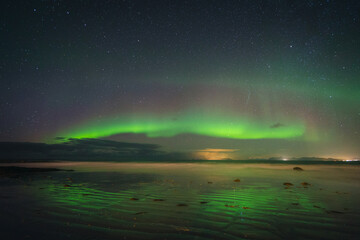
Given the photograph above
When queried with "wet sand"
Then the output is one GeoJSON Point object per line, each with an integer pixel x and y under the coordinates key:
{"type": "Point", "coordinates": [180, 201]}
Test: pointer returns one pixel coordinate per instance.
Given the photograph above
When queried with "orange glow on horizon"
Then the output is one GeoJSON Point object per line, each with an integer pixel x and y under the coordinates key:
{"type": "Point", "coordinates": [215, 154]}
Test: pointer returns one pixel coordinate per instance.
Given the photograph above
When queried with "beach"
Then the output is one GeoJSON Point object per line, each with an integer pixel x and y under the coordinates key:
{"type": "Point", "coordinates": [101, 200]}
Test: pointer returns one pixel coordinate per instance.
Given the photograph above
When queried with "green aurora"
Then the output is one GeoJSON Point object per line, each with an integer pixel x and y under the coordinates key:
{"type": "Point", "coordinates": [213, 125]}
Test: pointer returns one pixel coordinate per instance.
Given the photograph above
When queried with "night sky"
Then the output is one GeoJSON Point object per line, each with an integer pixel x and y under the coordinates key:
{"type": "Point", "coordinates": [203, 79]}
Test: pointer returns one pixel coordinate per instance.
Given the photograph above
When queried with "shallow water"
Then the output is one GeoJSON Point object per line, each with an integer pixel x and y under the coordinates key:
{"type": "Point", "coordinates": [94, 202]}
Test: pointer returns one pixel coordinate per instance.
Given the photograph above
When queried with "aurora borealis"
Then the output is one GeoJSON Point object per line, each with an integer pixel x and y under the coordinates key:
{"type": "Point", "coordinates": [188, 123]}
{"type": "Point", "coordinates": [232, 79]}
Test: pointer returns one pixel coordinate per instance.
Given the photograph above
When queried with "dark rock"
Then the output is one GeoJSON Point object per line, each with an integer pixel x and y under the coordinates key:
{"type": "Point", "coordinates": [288, 184]}
{"type": "Point", "coordinates": [18, 172]}
{"type": "Point", "coordinates": [181, 205]}
{"type": "Point", "coordinates": [185, 229]}
{"type": "Point", "coordinates": [332, 211]}
{"type": "Point", "coordinates": [158, 200]}
{"type": "Point", "coordinates": [298, 169]}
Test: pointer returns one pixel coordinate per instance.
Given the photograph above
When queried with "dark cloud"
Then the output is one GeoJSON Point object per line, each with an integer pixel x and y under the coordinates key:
{"type": "Point", "coordinates": [73, 149]}
{"type": "Point", "coordinates": [84, 150]}
{"type": "Point", "coordinates": [277, 125]}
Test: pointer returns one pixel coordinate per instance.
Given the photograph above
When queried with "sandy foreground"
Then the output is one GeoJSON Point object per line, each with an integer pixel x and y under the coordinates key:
{"type": "Point", "coordinates": [180, 201]}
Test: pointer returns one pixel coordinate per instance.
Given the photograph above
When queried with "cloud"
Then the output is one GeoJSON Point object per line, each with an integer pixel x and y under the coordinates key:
{"type": "Point", "coordinates": [277, 125]}
{"type": "Point", "coordinates": [108, 150]}
{"type": "Point", "coordinates": [85, 150]}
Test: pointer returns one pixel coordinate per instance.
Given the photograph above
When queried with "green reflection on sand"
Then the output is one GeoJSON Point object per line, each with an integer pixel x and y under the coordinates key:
{"type": "Point", "coordinates": [219, 204]}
